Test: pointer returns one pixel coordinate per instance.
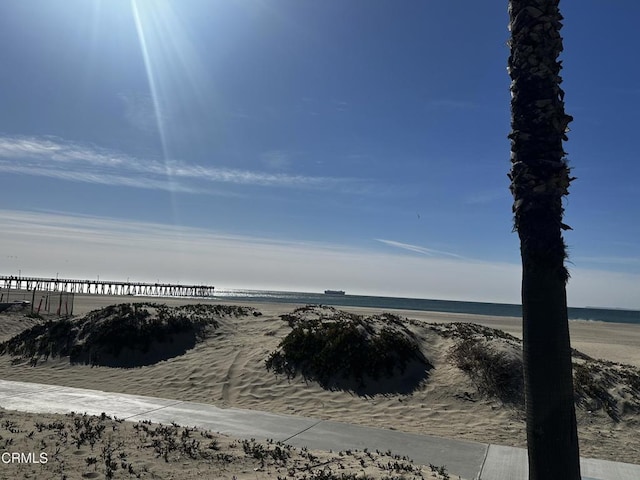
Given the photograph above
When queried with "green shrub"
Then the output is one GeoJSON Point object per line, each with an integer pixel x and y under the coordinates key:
{"type": "Point", "coordinates": [345, 351]}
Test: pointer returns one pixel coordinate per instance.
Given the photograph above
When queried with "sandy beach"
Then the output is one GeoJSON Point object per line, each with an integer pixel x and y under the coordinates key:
{"type": "Point", "coordinates": [228, 370]}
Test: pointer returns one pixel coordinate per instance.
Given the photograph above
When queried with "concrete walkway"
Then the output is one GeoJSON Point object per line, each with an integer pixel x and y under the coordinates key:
{"type": "Point", "coordinates": [469, 460]}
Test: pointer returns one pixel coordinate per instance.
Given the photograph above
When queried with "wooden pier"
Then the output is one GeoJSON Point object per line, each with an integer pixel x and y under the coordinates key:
{"type": "Point", "coordinates": [105, 287]}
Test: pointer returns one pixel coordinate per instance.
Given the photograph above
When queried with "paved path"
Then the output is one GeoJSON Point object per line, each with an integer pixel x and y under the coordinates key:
{"type": "Point", "coordinates": [469, 460]}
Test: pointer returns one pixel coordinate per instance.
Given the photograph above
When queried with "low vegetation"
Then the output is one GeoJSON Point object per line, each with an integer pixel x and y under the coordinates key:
{"type": "Point", "coordinates": [345, 351]}
{"type": "Point", "coordinates": [493, 361]}
{"type": "Point", "coordinates": [608, 386]}
{"type": "Point", "coordinates": [123, 335]}
{"type": "Point", "coordinates": [491, 358]}
{"type": "Point", "coordinates": [85, 446]}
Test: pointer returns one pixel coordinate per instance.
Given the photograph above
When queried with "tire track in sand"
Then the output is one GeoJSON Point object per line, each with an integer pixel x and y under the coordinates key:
{"type": "Point", "coordinates": [230, 379]}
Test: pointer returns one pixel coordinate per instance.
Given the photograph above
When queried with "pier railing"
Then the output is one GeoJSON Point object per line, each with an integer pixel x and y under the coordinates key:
{"type": "Point", "coordinates": [105, 287]}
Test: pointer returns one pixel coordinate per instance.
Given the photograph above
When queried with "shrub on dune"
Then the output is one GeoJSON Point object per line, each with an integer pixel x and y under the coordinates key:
{"type": "Point", "coordinates": [346, 351]}
{"type": "Point", "coordinates": [123, 335]}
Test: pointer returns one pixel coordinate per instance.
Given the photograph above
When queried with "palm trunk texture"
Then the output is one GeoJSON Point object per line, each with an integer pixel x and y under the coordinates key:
{"type": "Point", "coordinates": [539, 180]}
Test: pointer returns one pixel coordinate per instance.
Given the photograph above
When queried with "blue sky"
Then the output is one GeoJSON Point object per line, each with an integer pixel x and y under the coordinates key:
{"type": "Point", "coordinates": [304, 145]}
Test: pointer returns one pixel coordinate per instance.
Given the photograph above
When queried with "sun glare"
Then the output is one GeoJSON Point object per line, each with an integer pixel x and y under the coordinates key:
{"type": "Point", "coordinates": [165, 53]}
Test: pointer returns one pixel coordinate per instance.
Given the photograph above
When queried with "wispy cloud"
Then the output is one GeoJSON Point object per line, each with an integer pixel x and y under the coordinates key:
{"type": "Point", "coordinates": [418, 249]}
{"type": "Point", "coordinates": [99, 178]}
{"type": "Point", "coordinates": [56, 158]}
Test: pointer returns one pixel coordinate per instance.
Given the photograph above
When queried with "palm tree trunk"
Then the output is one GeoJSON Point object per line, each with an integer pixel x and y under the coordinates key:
{"type": "Point", "coordinates": [539, 180]}
{"type": "Point", "coordinates": [551, 423]}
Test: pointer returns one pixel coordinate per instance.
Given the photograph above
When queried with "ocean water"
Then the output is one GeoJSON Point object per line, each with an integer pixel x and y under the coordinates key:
{"type": "Point", "coordinates": [477, 308]}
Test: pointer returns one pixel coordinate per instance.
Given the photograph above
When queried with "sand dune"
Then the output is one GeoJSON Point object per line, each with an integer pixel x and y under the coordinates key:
{"type": "Point", "coordinates": [228, 369]}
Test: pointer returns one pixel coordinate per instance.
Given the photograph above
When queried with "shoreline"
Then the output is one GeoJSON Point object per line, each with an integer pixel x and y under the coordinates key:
{"type": "Point", "coordinates": [356, 301]}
